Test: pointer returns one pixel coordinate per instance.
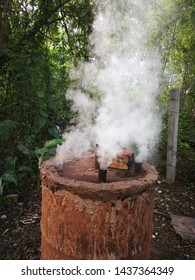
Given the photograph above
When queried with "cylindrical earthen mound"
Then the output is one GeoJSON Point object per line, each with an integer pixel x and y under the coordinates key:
{"type": "Point", "coordinates": [85, 220]}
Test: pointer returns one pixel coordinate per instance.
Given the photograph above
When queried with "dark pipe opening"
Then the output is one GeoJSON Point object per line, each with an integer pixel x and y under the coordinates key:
{"type": "Point", "coordinates": [102, 173]}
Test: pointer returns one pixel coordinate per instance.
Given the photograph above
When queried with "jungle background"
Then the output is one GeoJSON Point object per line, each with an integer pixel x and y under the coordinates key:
{"type": "Point", "coordinates": [40, 42]}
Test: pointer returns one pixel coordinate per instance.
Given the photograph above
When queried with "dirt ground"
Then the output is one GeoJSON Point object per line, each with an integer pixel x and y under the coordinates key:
{"type": "Point", "coordinates": [20, 235]}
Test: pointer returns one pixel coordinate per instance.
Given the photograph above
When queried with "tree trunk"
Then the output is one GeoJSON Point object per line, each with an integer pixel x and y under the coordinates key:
{"type": "Point", "coordinates": [4, 22]}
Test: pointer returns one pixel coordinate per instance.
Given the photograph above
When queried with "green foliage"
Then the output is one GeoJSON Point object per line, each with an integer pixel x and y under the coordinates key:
{"type": "Point", "coordinates": [6, 128]}
{"type": "Point", "coordinates": [176, 41]}
{"type": "Point", "coordinates": [8, 173]}
{"type": "Point", "coordinates": [48, 150]}
{"type": "Point", "coordinates": [40, 41]}
{"type": "Point", "coordinates": [10, 170]}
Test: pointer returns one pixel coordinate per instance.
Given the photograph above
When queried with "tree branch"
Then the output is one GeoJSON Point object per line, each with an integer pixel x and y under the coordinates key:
{"type": "Point", "coordinates": [44, 21]}
{"type": "Point", "coordinates": [66, 29]}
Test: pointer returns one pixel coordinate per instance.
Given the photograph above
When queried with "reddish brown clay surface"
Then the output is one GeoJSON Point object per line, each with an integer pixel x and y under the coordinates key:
{"type": "Point", "coordinates": [87, 220]}
{"type": "Point", "coordinates": [84, 170]}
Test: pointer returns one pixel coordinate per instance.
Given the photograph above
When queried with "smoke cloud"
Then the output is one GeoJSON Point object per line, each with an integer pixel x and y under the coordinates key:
{"type": "Point", "coordinates": [115, 99]}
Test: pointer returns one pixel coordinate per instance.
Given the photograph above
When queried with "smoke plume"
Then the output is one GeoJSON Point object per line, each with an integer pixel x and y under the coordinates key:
{"type": "Point", "coordinates": [115, 100]}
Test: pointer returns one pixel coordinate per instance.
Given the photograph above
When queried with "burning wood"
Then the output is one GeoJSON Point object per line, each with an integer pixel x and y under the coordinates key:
{"type": "Point", "coordinates": [124, 162]}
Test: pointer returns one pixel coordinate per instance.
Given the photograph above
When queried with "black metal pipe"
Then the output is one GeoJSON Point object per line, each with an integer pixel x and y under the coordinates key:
{"type": "Point", "coordinates": [102, 175]}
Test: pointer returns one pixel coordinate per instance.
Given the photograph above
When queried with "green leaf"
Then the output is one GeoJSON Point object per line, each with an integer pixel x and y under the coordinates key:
{"type": "Point", "coordinates": [40, 151]}
{"type": "Point", "coordinates": [25, 169]}
{"type": "Point", "coordinates": [52, 132]}
{"type": "Point", "coordinates": [42, 104]}
{"type": "Point", "coordinates": [52, 143]}
{"type": "Point", "coordinates": [40, 94]}
{"type": "Point", "coordinates": [42, 121]}
{"type": "Point", "coordinates": [25, 150]}
{"type": "Point", "coordinates": [10, 164]}
{"type": "Point", "coordinates": [9, 178]}
{"type": "Point", "coordinates": [43, 114]}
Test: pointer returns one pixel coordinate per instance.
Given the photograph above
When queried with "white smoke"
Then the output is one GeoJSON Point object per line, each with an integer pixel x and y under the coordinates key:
{"type": "Point", "coordinates": [115, 106]}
